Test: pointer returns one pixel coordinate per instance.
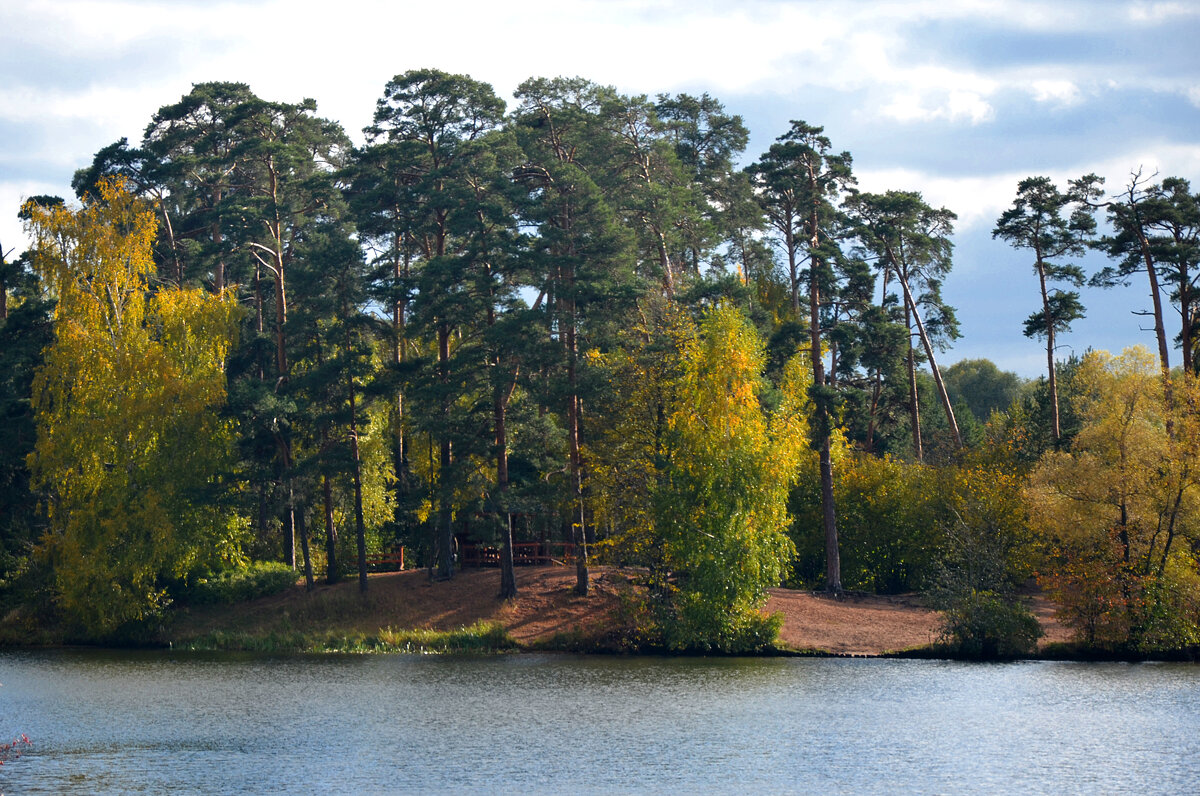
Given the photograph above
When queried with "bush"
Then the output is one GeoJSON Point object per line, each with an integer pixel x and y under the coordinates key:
{"type": "Point", "coordinates": [1165, 616]}
{"type": "Point", "coordinates": [693, 627]}
{"type": "Point", "coordinates": [239, 585]}
{"type": "Point", "coordinates": [986, 625]}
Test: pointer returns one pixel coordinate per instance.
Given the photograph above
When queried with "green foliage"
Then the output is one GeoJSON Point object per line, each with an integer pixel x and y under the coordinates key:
{"type": "Point", "coordinates": [256, 580]}
{"type": "Point", "coordinates": [887, 522]}
{"type": "Point", "coordinates": [987, 625]}
{"type": "Point", "coordinates": [545, 275]}
{"type": "Point", "coordinates": [1027, 427]}
{"type": "Point", "coordinates": [24, 335]}
{"type": "Point", "coordinates": [904, 526]}
{"type": "Point", "coordinates": [721, 509]}
{"type": "Point", "coordinates": [986, 553]}
{"type": "Point", "coordinates": [982, 387]}
{"type": "Point", "coordinates": [628, 451]}
{"type": "Point", "coordinates": [986, 541]}
{"type": "Point", "coordinates": [1168, 615]}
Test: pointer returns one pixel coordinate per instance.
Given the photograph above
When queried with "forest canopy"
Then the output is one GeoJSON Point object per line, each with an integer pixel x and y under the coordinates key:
{"type": "Point", "coordinates": [584, 319]}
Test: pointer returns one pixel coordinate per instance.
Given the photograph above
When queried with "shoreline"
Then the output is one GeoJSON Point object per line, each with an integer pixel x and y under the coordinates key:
{"type": "Point", "coordinates": [406, 613]}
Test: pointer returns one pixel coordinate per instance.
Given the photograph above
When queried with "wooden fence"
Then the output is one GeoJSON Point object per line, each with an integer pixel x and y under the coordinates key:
{"type": "Point", "coordinates": [471, 554]}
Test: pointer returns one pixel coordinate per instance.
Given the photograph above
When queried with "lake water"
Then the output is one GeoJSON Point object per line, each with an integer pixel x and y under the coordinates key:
{"type": "Point", "coordinates": [150, 722]}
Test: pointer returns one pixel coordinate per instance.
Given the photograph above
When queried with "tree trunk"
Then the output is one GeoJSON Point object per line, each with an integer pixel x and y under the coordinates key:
{"type": "Point", "coordinates": [833, 560]}
{"type": "Point", "coordinates": [289, 531]}
{"type": "Point", "coordinates": [331, 562]}
{"type": "Point", "coordinates": [445, 461]}
{"type": "Point", "coordinates": [914, 407]}
{"type": "Point", "coordinates": [833, 556]}
{"type": "Point", "coordinates": [578, 527]}
{"type": "Point", "coordinates": [508, 577]}
{"type": "Point", "coordinates": [360, 534]}
{"type": "Point", "coordinates": [3, 287]}
{"type": "Point", "coordinates": [281, 361]}
{"type": "Point", "coordinates": [166, 217]}
{"type": "Point", "coordinates": [1052, 376]}
{"type": "Point", "coordinates": [1160, 330]}
{"type": "Point", "coordinates": [1187, 320]}
{"type": "Point", "coordinates": [914, 404]}
{"type": "Point", "coordinates": [793, 273]}
{"type": "Point", "coordinates": [1170, 531]}
{"type": "Point", "coordinates": [933, 366]}
{"type": "Point", "coordinates": [360, 531]}
{"type": "Point", "coordinates": [664, 261]}
{"type": "Point", "coordinates": [219, 271]}
{"type": "Point", "coordinates": [302, 531]}
{"type": "Point", "coordinates": [876, 394]}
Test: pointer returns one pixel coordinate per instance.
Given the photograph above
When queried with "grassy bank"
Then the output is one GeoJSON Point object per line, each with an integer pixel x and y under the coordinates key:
{"type": "Point", "coordinates": [480, 638]}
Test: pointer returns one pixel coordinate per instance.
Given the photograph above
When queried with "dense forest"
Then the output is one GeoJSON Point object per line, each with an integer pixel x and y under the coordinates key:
{"type": "Point", "coordinates": [249, 347]}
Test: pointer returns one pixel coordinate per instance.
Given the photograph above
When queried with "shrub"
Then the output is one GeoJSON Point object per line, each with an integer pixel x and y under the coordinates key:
{"type": "Point", "coordinates": [239, 585]}
{"type": "Point", "coordinates": [986, 625]}
{"type": "Point", "coordinates": [1169, 616]}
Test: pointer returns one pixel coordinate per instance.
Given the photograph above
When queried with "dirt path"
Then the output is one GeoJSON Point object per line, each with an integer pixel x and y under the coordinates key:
{"type": "Point", "coordinates": [855, 625]}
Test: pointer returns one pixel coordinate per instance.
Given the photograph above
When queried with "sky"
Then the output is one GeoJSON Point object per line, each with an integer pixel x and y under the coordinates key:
{"type": "Point", "coordinates": [957, 99]}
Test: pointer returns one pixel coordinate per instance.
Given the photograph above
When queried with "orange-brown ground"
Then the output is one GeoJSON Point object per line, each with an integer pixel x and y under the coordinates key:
{"type": "Point", "coordinates": [858, 625]}
{"type": "Point", "coordinates": [872, 624]}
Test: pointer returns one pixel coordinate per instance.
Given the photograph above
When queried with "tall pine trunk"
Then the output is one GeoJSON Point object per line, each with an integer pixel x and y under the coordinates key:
{"type": "Point", "coordinates": [3, 287]}
{"type": "Point", "coordinates": [445, 518]}
{"type": "Point", "coordinates": [578, 527]}
{"type": "Point", "coordinates": [1056, 428]}
{"type": "Point", "coordinates": [297, 513]}
{"type": "Point", "coordinates": [508, 577]}
{"type": "Point", "coordinates": [331, 556]}
{"type": "Point", "coordinates": [360, 531]}
{"type": "Point", "coordinates": [833, 559]}
{"type": "Point", "coordinates": [927, 344]}
{"type": "Point", "coordinates": [501, 393]}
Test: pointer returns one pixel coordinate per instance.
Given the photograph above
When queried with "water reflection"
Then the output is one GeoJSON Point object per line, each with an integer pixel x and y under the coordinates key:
{"type": "Point", "coordinates": [154, 722]}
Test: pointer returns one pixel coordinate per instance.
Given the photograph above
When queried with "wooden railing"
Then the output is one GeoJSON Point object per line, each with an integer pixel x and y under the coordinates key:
{"type": "Point", "coordinates": [471, 554]}
{"type": "Point", "coordinates": [390, 561]}
{"type": "Point", "coordinates": [524, 554]}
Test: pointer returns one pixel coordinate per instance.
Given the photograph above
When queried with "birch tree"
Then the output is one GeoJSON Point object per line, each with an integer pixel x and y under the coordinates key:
{"type": "Point", "coordinates": [127, 409]}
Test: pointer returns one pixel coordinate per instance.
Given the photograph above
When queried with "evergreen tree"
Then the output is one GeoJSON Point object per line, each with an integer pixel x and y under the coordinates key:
{"type": "Point", "coordinates": [442, 132]}
{"type": "Point", "coordinates": [910, 241]}
{"type": "Point", "coordinates": [25, 333]}
{"type": "Point", "coordinates": [1036, 222]}
{"type": "Point", "coordinates": [799, 181]}
{"type": "Point", "coordinates": [583, 254]}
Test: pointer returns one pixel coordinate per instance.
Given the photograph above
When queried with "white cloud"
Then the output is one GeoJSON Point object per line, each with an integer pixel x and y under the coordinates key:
{"type": "Point", "coordinates": [967, 105]}
{"type": "Point", "coordinates": [104, 105]}
{"type": "Point", "coordinates": [12, 196]}
{"type": "Point", "coordinates": [1059, 92]}
{"type": "Point", "coordinates": [980, 199]}
{"type": "Point", "coordinates": [955, 106]}
{"type": "Point", "coordinates": [286, 49]}
{"type": "Point", "coordinates": [1161, 12]}
{"type": "Point", "coordinates": [976, 200]}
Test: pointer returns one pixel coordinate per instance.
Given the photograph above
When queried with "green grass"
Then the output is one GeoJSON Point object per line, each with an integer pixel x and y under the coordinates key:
{"type": "Point", "coordinates": [480, 638]}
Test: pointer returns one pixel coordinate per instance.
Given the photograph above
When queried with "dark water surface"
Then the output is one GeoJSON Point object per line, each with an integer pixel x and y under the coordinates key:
{"type": "Point", "coordinates": [106, 722]}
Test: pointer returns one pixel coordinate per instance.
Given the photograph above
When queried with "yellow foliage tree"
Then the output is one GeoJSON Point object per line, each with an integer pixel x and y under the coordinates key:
{"type": "Point", "coordinates": [721, 511]}
{"type": "Point", "coordinates": [129, 437]}
{"type": "Point", "coordinates": [627, 451]}
{"type": "Point", "coordinates": [1122, 508]}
